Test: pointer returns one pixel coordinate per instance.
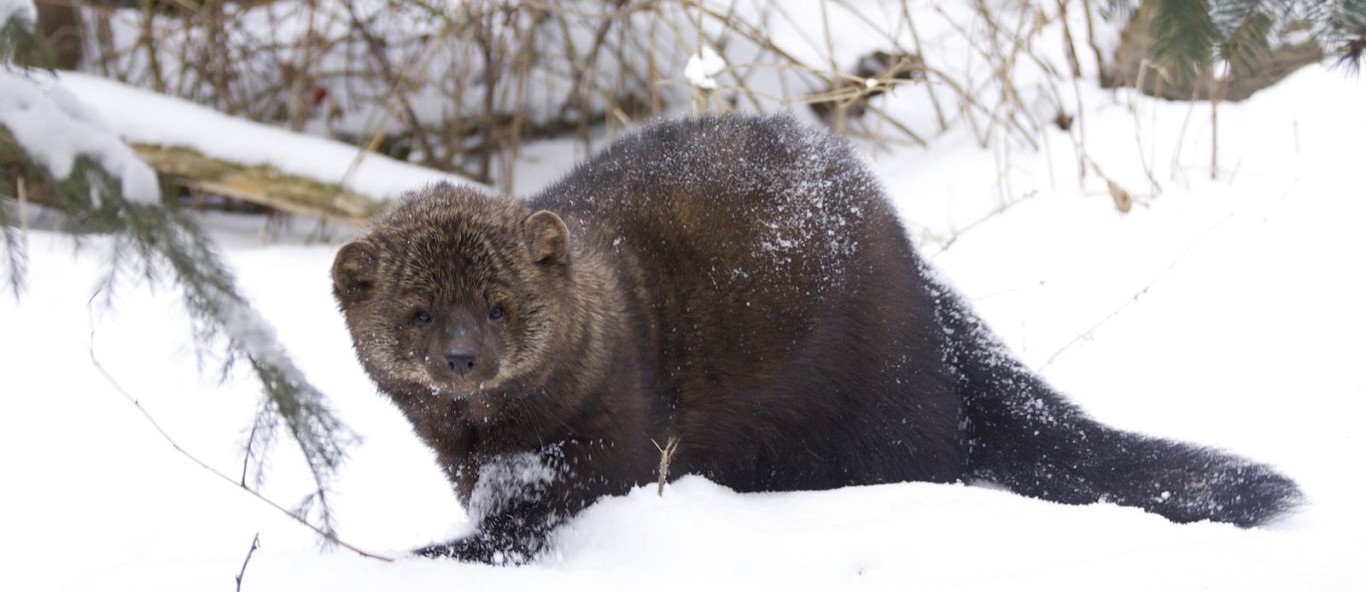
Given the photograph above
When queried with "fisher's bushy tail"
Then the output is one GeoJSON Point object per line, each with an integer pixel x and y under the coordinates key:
{"type": "Point", "coordinates": [1020, 433]}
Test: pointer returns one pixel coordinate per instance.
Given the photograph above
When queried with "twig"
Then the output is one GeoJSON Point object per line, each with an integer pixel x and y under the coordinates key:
{"type": "Point", "coordinates": [147, 40]}
{"type": "Point", "coordinates": [1146, 160]}
{"type": "Point", "coordinates": [1220, 88]}
{"type": "Point", "coordinates": [328, 536]}
{"type": "Point", "coordinates": [841, 109]}
{"type": "Point", "coordinates": [1091, 40]}
{"type": "Point", "coordinates": [1068, 44]}
{"type": "Point", "coordinates": [1136, 295]}
{"type": "Point", "coordinates": [1181, 137]}
{"type": "Point", "coordinates": [255, 544]}
{"type": "Point", "coordinates": [1124, 200]}
{"type": "Point", "coordinates": [23, 212]}
{"type": "Point", "coordinates": [397, 80]}
{"type": "Point", "coordinates": [920, 51]}
{"type": "Point", "coordinates": [398, 84]}
{"type": "Point", "coordinates": [246, 454]}
{"type": "Point", "coordinates": [666, 455]}
{"type": "Point", "coordinates": [998, 210]}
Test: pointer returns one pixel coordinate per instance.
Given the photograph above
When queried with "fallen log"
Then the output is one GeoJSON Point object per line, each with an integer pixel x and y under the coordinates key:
{"type": "Point", "coordinates": [262, 185]}
{"type": "Point", "coordinates": [258, 184]}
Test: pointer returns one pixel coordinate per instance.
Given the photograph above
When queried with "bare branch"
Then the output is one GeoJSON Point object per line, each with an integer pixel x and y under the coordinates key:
{"type": "Point", "coordinates": [666, 455]}
{"type": "Point", "coordinates": [331, 537]}
{"type": "Point", "coordinates": [255, 544]}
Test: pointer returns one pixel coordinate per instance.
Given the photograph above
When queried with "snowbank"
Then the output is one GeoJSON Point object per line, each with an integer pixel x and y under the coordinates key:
{"type": "Point", "coordinates": [1225, 311]}
{"type": "Point", "coordinates": [143, 117]}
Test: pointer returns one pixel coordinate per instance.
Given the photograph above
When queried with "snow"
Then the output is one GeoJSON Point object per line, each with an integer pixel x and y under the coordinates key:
{"type": "Point", "coordinates": [703, 67]}
{"type": "Point", "coordinates": [56, 128]}
{"type": "Point", "coordinates": [1224, 311]}
{"type": "Point", "coordinates": [18, 10]}
{"type": "Point", "coordinates": [142, 117]}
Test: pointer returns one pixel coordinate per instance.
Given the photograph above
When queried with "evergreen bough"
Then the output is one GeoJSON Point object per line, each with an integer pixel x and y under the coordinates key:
{"type": "Point", "coordinates": [1191, 36]}
{"type": "Point", "coordinates": [163, 246]}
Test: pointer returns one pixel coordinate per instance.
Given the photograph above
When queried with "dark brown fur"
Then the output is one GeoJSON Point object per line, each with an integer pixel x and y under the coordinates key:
{"type": "Point", "coordinates": [740, 284]}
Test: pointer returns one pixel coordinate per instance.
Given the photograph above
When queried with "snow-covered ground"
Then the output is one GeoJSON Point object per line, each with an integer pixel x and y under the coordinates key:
{"type": "Point", "coordinates": [1222, 311]}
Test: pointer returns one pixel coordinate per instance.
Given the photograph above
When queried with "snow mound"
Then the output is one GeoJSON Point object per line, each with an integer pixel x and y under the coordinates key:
{"type": "Point", "coordinates": [145, 117]}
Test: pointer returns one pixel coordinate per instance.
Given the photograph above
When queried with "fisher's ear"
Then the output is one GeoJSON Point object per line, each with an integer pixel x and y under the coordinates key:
{"type": "Point", "coordinates": [547, 238]}
{"type": "Point", "coordinates": [354, 270]}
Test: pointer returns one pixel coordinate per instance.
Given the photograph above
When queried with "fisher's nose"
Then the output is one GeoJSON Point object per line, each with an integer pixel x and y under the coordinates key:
{"type": "Point", "coordinates": [461, 360]}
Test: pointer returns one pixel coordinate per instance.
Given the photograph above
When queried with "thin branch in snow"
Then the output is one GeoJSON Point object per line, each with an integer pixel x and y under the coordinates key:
{"type": "Point", "coordinates": [255, 544]}
{"type": "Point", "coordinates": [328, 534]}
{"type": "Point", "coordinates": [246, 454]}
{"type": "Point", "coordinates": [666, 455]}
{"type": "Point", "coordinates": [1135, 297]}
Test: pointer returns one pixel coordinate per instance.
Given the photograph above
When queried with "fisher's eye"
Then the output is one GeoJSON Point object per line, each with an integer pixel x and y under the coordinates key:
{"type": "Point", "coordinates": [496, 312]}
{"type": "Point", "coordinates": [422, 317]}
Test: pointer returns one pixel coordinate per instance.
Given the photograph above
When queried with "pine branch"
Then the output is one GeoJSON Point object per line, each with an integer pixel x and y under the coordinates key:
{"type": "Point", "coordinates": [1229, 15]}
{"type": "Point", "coordinates": [160, 245]}
{"type": "Point", "coordinates": [11, 243]}
{"type": "Point", "coordinates": [1344, 29]}
{"type": "Point", "coordinates": [1247, 43]}
{"type": "Point", "coordinates": [21, 44]}
{"type": "Point", "coordinates": [163, 237]}
{"type": "Point", "coordinates": [1189, 34]}
{"type": "Point", "coordinates": [1184, 37]}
